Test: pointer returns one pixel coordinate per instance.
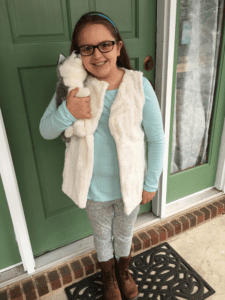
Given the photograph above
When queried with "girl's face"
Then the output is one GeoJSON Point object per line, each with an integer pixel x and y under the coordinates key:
{"type": "Point", "coordinates": [93, 35]}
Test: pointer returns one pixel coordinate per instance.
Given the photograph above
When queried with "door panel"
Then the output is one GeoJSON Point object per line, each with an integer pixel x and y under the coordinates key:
{"type": "Point", "coordinates": [42, 21]}
{"type": "Point", "coordinates": [198, 97]}
{"type": "Point", "coordinates": [34, 33]}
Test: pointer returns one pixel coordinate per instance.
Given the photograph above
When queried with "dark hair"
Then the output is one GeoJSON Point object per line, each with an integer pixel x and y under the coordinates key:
{"type": "Point", "coordinates": [123, 60]}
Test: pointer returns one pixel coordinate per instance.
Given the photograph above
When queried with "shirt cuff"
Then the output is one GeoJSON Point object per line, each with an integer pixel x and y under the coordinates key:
{"type": "Point", "coordinates": [65, 113]}
{"type": "Point", "coordinates": [150, 190]}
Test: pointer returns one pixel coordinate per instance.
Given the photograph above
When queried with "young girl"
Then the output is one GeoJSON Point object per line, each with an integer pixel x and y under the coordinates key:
{"type": "Point", "coordinates": [120, 181]}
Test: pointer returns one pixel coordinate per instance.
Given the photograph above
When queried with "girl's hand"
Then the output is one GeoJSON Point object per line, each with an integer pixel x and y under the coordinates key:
{"type": "Point", "coordinates": [147, 197]}
{"type": "Point", "coordinates": [80, 108]}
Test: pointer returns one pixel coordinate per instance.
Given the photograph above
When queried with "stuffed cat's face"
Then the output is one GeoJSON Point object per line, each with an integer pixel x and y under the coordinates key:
{"type": "Point", "coordinates": [72, 68]}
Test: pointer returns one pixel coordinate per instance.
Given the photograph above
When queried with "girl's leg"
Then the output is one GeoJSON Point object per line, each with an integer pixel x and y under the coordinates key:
{"type": "Point", "coordinates": [101, 215]}
{"type": "Point", "coordinates": [123, 226]}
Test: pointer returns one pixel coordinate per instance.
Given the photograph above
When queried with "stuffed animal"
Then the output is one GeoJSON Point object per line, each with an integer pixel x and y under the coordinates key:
{"type": "Point", "coordinates": [71, 74]}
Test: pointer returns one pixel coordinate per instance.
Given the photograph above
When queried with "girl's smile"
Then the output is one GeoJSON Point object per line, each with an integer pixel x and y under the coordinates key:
{"type": "Point", "coordinates": [99, 64]}
{"type": "Point", "coordinates": [102, 66]}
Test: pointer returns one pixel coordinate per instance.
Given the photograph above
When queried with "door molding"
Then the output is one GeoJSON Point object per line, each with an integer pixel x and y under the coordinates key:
{"type": "Point", "coordinates": [15, 205]}
{"type": "Point", "coordinates": [165, 45]}
{"type": "Point", "coordinates": [220, 174]}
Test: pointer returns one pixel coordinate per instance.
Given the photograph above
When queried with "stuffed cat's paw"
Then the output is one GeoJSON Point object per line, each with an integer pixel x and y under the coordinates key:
{"type": "Point", "coordinates": [69, 131]}
{"type": "Point", "coordinates": [83, 92]}
{"type": "Point", "coordinates": [79, 128]}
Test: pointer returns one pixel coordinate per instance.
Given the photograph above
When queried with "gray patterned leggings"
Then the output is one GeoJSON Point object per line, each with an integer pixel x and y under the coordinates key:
{"type": "Point", "coordinates": [108, 220]}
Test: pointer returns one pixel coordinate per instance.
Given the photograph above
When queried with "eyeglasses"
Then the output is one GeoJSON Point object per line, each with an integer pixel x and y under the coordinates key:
{"type": "Point", "coordinates": [103, 47]}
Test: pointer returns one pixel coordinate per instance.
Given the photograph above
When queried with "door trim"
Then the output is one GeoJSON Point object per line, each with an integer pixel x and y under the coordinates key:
{"type": "Point", "coordinates": [165, 45]}
{"type": "Point", "coordinates": [15, 205]}
{"type": "Point", "coordinates": [220, 174]}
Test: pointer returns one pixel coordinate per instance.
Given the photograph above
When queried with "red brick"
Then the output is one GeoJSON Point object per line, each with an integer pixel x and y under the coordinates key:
{"type": "Point", "coordinates": [31, 296]}
{"type": "Point", "coordinates": [137, 243]}
{"type": "Point", "coordinates": [206, 213]}
{"type": "Point", "coordinates": [219, 207]}
{"type": "Point", "coordinates": [77, 269]}
{"type": "Point", "coordinates": [88, 265]}
{"type": "Point", "coordinates": [192, 218]}
{"type": "Point", "coordinates": [200, 216]}
{"type": "Point", "coordinates": [162, 233]}
{"type": "Point", "coordinates": [185, 223]}
{"type": "Point", "coordinates": [95, 259]}
{"type": "Point", "coordinates": [213, 210]}
{"type": "Point", "coordinates": [145, 238]}
{"type": "Point", "coordinates": [16, 293]}
{"type": "Point", "coordinates": [41, 285]}
{"type": "Point", "coordinates": [66, 274]}
{"type": "Point", "coordinates": [54, 280]}
{"type": "Point", "coordinates": [222, 201]}
{"type": "Point", "coordinates": [154, 236]}
{"type": "Point", "coordinates": [170, 229]}
{"type": "Point", "coordinates": [177, 226]}
{"type": "Point", "coordinates": [29, 290]}
{"type": "Point", "coordinates": [3, 295]}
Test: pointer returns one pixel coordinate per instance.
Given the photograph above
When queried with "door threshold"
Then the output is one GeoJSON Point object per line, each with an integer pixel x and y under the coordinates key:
{"type": "Point", "coordinates": [71, 251]}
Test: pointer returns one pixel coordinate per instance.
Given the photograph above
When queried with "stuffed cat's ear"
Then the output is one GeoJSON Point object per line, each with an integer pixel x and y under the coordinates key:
{"type": "Point", "coordinates": [77, 53]}
{"type": "Point", "coordinates": [61, 58]}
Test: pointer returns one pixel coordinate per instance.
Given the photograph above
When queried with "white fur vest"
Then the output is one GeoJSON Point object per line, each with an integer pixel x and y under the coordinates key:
{"type": "Point", "coordinates": [125, 126]}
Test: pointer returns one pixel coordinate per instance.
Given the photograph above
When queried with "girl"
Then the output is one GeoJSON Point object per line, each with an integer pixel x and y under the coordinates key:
{"type": "Point", "coordinates": [117, 186]}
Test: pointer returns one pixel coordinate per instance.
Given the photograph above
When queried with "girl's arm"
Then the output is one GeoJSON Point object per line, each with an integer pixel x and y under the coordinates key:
{"type": "Point", "coordinates": [154, 133]}
{"type": "Point", "coordinates": [55, 121]}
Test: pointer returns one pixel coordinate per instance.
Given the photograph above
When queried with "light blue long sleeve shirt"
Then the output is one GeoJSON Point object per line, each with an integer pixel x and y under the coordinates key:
{"type": "Point", "coordinates": [105, 182]}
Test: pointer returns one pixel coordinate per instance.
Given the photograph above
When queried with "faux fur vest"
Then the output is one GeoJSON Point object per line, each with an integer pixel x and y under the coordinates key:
{"type": "Point", "coordinates": [125, 126]}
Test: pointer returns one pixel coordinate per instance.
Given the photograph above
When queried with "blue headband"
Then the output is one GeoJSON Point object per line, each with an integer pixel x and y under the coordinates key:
{"type": "Point", "coordinates": [106, 18]}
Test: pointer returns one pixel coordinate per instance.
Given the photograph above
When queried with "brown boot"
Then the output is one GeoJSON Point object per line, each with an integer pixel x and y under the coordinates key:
{"type": "Point", "coordinates": [110, 285]}
{"type": "Point", "coordinates": [126, 282]}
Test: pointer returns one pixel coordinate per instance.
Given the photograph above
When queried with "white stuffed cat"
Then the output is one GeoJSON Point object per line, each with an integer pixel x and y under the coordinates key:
{"type": "Point", "coordinates": [71, 74]}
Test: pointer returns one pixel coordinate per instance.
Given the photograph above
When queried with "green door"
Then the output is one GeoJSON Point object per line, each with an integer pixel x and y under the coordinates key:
{"type": "Point", "coordinates": [33, 34]}
{"type": "Point", "coordinates": [198, 106]}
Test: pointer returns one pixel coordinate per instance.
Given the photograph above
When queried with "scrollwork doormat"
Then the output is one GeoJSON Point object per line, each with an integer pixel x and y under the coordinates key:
{"type": "Point", "coordinates": [160, 273]}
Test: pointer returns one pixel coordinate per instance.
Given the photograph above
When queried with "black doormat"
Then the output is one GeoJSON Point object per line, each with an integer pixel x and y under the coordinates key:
{"type": "Point", "coordinates": [160, 273]}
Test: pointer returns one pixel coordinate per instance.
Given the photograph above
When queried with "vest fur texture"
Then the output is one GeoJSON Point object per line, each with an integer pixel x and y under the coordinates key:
{"type": "Point", "coordinates": [125, 119]}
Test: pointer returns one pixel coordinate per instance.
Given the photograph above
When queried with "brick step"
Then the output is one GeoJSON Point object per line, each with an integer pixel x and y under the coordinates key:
{"type": "Point", "coordinates": [86, 264]}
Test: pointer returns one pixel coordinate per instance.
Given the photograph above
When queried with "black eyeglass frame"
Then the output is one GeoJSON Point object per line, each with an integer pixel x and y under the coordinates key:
{"type": "Point", "coordinates": [96, 46]}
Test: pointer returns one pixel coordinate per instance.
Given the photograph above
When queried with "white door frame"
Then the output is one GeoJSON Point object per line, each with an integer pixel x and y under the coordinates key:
{"type": "Point", "coordinates": [165, 45]}
{"type": "Point", "coordinates": [166, 24]}
{"type": "Point", "coordinates": [12, 193]}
